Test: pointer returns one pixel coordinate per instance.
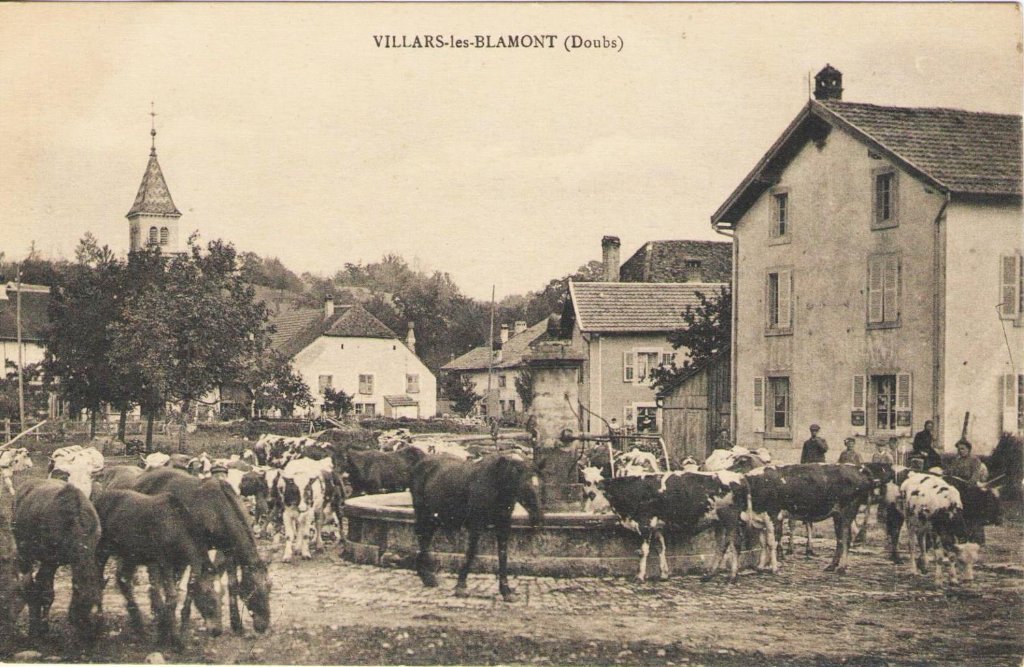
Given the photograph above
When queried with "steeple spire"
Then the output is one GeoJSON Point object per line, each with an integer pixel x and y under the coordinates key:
{"type": "Point", "coordinates": [152, 132]}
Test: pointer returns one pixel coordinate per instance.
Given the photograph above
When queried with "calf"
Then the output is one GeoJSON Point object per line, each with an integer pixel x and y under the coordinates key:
{"type": "Point", "coordinates": [934, 513]}
{"type": "Point", "coordinates": [682, 502]}
{"type": "Point", "coordinates": [809, 493]}
{"type": "Point", "coordinates": [301, 486]}
{"type": "Point", "coordinates": [12, 461]}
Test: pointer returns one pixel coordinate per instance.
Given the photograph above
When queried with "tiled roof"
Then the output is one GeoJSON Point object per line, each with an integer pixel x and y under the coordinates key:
{"type": "Point", "coordinates": [34, 302]}
{"type": "Point", "coordinates": [963, 153]}
{"type": "Point", "coordinates": [968, 152]}
{"type": "Point", "coordinates": [153, 197]}
{"type": "Point", "coordinates": [634, 307]}
{"type": "Point", "coordinates": [512, 351]}
{"type": "Point", "coordinates": [665, 262]}
{"type": "Point", "coordinates": [297, 329]}
{"type": "Point", "coordinates": [400, 401]}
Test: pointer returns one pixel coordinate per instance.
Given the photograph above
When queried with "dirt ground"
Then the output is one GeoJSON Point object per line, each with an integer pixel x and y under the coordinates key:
{"type": "Point", "coordinates": [330, 611]}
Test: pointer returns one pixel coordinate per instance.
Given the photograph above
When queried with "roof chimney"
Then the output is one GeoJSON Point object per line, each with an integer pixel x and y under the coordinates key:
{"type": "Point", "coordinates": [520, 327]}
{"type": "Point", "coordinates": [828, 84]}
{"type": "Point", "coordinates": [504, 334]}
{"type": "Point", "coordinates": [610, 258]}
{"type": "Point", "coordinates": [410, 338]}
{"type": "Point", "coordinates": [329, 305]}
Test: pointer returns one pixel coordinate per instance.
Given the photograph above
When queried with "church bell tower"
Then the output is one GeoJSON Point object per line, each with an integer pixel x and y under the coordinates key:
{"type": "Point", "coordinates": [153, 218]}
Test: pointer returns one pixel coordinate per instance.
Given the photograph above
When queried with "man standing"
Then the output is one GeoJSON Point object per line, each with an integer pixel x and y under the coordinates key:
{"type": "Point", "coordinates": [814, 448]}
{"type": "Point", "coordinates": [924, 446]}
{"type": "Point", "coordinates": [849, 455]}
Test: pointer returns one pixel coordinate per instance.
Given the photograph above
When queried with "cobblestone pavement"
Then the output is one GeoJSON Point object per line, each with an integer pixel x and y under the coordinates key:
{"type": "Point", "coordinates": [876, 610]}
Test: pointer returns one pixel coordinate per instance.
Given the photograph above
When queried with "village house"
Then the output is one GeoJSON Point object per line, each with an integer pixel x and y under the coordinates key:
{"type": "Point", "coordinates": [498, 368]}
{"type": "Point", "coordinates": [34, 301]}
{"type": "Point", "coordinates": [877, 276]}
{"type": "Point", "coordinates": [621, 329]}
{"type": "Point", "coordinates": [346, 348]}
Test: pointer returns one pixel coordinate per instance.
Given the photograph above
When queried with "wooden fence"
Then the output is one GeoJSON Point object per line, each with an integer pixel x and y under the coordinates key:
{"type": "Point", "coordinates": [59, 430]}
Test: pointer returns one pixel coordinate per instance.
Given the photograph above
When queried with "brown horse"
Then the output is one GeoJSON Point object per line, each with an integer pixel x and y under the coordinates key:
{"type": "Point", "coordinates": [55, 525]}
{"type": "Point", "coordinates": [218, 510]}
{"type": "Point", "coordinates": [158, 532]}
{"type": "Point", "coordinates": [448, 493]}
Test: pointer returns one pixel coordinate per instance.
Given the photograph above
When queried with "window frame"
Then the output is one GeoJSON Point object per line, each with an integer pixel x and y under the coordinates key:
{"type": "Point", "coordinates": [882, 260]}
{"type": "Point", "coordinates": [771, 431]}
{"type": "Point", "coordinates": [893, 220]}
{"type": "Point", "coordinates": [165, 236]}
{"type": "Point", "coordinates": [1016, 315]}
{"type": "Point", "coordinates": [774, 305]}
{"type": "Point", "coordinates": [154, 236]}
{"type": "Point", "coordinates": [366, 385]}
{"type": "Point", "coordinates": [775, 236]}
{"type": "Point", "coordinates": [323, 383]}
{"type": "Point", "coordinates": [412, 383]}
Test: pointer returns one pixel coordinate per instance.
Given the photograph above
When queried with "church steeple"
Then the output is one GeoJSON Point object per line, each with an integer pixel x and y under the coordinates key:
{"type": "Point", "coordinates": [153, 218]}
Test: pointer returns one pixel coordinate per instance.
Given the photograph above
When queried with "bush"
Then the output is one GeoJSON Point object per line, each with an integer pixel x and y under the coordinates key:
{"type": "Point", "coordinates": [420, 425]}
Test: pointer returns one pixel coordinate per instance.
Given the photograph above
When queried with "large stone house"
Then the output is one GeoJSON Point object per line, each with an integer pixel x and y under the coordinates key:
{"type": "Point", "coordinates": [498, 368]}
{"type": "Point", "coordinates": [877, 276]}
{"type": "Point", "coordinates": [346, 348]}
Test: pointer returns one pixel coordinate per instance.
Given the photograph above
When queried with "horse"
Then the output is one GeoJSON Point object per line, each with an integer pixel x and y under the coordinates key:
{"type": "Point", "coordinates": [475, 495]}
{"type": "Point", "coordinates": [158, 532]}
{"type": "Point", "coordinates": [55, 525]}
{"type": "Point", "coordinates": [216, 508]}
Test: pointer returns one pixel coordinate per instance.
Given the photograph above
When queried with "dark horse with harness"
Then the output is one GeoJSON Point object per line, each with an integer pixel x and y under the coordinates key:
{"type": "Point", "coordinates": [160, 533]}
{"type": "Point", "coordinates": [219, 512]}
{"type": "Point", "coordinates": [55, 525]}
{"type": "Point", "coordinates": [452, 494]}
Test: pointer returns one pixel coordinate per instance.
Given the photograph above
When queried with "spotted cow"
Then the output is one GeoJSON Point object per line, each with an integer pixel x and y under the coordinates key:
{"type": "Point", "coordinates": [13, 461]}
{"type": "Point", "coordinates": [278, 450]}
{"type": "Point", "coordinates": [301, 486]}
{"type": "Point", "coordinates": [685, 503]}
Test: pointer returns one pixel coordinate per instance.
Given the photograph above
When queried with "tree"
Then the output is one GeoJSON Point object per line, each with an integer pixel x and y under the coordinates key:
{"type": "Point", "coordinates": [337, 401]}
{"type": "Point", "coordinates": [706, 331]}
{"type": "Point", "coordinates": [35, 393]}
{"type": "Point", "coordinates": [459, 389]}
{"type": "Point", "coordinates": [188, 328]}
{"type": "Point", "coordinates": [525, 387]}
{"type": "Point", "coordinates": [275, 385]}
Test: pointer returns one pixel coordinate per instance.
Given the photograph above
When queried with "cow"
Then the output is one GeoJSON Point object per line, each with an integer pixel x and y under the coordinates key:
{"type": "Point", "coordinates": [77, 464]}
{"type": "Point", "coordinates": [301, 486]}
{"type": "Point", "coordinates": [155, 460]}
{"type": "Point", "coordinates": [934, 513]}
{"type": "Point", "coordinates": [594, 501]}
{"type": "Point", "coordinates": [736, 459]}
{"type": "Point", "coordinates": [810, 493]}
{"type": "Point", "coordinates": [683, 502]}
{"type": "Point", "coordinates": [381, 472]}
{"type": "Point", "coordinates": [12, 461]}
{"type": "Point", "coordinates": [636, 462]}
{"type": "Point", "coordinates": [278, 450]}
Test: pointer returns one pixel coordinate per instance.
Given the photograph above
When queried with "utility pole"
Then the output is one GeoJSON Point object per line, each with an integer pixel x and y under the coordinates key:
{"type": "Point", "coordinates": [490, 356]}
{"type": "Point", "coordinates": [21, 364]}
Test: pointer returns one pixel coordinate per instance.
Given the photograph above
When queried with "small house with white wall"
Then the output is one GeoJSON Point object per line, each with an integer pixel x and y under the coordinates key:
{"type": "Point", "coordinates": [346, 348]}
{"type": "Point", "coordinates": [34, 301]}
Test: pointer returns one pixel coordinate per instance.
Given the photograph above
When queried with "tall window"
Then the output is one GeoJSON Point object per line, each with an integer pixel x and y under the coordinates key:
{"type": "Point", "coordinates": [885, 199]}
{"type": "Point", "coordinates": [165, 235]}
{"type": "Point", "coordinates": [779, 300]}
{"type": "Point", "coordinates": [780, 215]}
{"type": "Point", "coordinates": [502, 381]}
{"type": "Point", "coordinates": [884, 387]}
{"type": "Point", "coordinates": [884, 289]}
{"type": "Point", "coordinates": [645, 363]}
{"type": "Point", "coordinates": [412, 383]}
{"type": "Point", "coordinates": [325, 382]}
{"type": "Point", "coordinates": [646, 419]}
{"type": "Point", "coordinates": [779, 405]}
{"type": "Point", "coordinates": [1011, 286]}
{"type": "Point", "coordinates": [153, 238]}
{"type": "Point", "coordinates": [366, 384]}
{"type": "Point", "coordinates": [1013, 403]}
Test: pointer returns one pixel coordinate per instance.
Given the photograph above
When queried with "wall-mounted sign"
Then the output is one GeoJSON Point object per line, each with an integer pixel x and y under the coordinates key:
{"type": "Point", "coordinates": [857, 418]}
{"type": "Point", "coordinates": [903, 418]}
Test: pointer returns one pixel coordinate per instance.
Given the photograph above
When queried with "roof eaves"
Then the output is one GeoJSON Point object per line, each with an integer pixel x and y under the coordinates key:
{"type": "Point", "coordinates": [575, 305]}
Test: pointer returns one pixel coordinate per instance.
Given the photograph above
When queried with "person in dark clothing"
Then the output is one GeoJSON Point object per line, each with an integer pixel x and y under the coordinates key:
{"type": "Point", "coordinates": [814, 447]}
{"type": "Point", "coordinates": [923, 447]}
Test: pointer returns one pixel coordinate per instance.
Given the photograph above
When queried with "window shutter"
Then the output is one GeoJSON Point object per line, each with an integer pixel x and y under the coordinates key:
{"type": "Point", "coordinates": [890, 293]}
{"type": "Point", "coordinates": [758, 405]}
{"type": "Point", "coordinates": [1009, 403]}
{"type": "Point", "coordinates": [904, 402]}
{"type": "Point", "coordinates": [627, 367]}
{"type": "Point", "coordinates": [875, 270]}
{"type": "Point", "coordinates": [858, 414]}
{"type": "Point", "coordinates": [1010, 286]}
{"type": "Point", "coordinates": [785, 299]}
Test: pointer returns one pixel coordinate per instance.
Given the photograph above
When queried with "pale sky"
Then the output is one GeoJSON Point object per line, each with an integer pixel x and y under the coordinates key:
{"type": "Point", "coordinates": [284, 129]}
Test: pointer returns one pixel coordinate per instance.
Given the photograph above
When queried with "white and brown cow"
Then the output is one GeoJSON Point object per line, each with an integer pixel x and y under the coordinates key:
{"type": "Point", "coordinates": [934, 513]}
{"type": "Point", "coordinates": [76, 464]}
{"type": "Point", "coordinates": [302, 490]}
{"type": "Point", "coordinates": [13, 461]}
{"type": "Point", "coordinates": [681, 502]}
{"type": "Point", "coordinates": [278, 450]}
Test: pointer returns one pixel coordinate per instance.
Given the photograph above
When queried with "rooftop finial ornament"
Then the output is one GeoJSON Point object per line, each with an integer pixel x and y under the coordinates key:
{"type": "Point", "coordinates": [152, 131]}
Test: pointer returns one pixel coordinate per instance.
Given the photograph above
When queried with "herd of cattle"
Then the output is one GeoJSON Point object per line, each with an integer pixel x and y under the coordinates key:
{"type": "Point", "coordinates": [177, 514]}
